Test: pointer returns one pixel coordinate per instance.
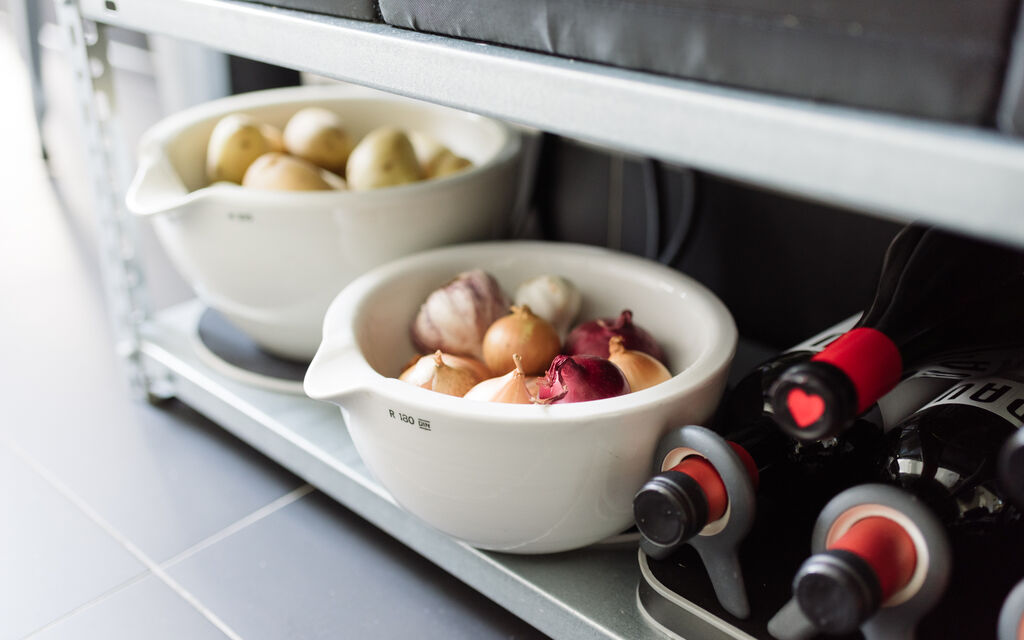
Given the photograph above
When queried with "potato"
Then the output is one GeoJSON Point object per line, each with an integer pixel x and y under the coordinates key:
{"type": "Point", "coordinates": [448, 164]}
{"type": "Point", "coordinates": [236, 141]}
{"type": "Point", "coordinates": [280, 171]}
{"type": "Point", "coordinates": [274, 137]}
{"type": "Point", "coordinates": [435, 159]}
{"type": "Point", "coordinates": [317, 135]}
{"type": "Point", "coordinates": [383, 158]}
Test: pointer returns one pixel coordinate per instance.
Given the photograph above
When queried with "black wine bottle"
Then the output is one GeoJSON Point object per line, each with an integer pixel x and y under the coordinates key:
{"type": "Point", "coordinates": [945, 455]}
{"type": "Point", "coordinates": [678, 503]}
{"type": "Point", "coordinates": [937, 292]}
{"type": "Point", "coordinates": [1011, 469]}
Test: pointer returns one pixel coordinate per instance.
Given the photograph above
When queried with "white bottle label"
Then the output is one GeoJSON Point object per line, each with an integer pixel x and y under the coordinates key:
{"type": "Point", "coordinates": [1002, 395]}
{"type": "Point", "coordinates": [924, 385]}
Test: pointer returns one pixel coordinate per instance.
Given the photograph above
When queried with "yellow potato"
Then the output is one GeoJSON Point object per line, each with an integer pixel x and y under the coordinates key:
{"type": "Point", "coordinates": [383, 158]}
{"type": "Point", "coordinates": [274, 137]}
{"type": "Point", "coordinates": [435, 159]}
{"type": "Point", "coordinates": [236, 141]}
{"type": "Point", "coordinates": [282, 172]}
{"type": "Point", "coordinates": [317, 135]}
{"type": "Point", "coordinates": [448, 164]}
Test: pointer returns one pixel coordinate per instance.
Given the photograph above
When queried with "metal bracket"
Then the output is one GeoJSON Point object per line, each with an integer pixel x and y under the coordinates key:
{"type": "Point", "coordinates": [122, 274]}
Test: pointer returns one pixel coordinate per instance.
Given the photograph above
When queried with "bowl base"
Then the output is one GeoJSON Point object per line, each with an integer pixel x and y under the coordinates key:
{"type": "Point", "coordinates": [235, 355]}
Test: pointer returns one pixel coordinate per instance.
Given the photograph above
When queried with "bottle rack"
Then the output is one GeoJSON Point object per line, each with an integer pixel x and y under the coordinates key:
{"type": "Point", "coordinates": [964, 178]}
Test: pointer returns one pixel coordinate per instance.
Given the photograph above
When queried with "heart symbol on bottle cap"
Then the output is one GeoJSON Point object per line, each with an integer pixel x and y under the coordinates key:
{"type": "Point", "coordinates": [806, 408]}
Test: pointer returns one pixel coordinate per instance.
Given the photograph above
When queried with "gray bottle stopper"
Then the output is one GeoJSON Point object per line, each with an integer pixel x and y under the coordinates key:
{"type": "Point", "coordinates": [898, 621]}
{"type": "Point", "coordinates": [718, 545]}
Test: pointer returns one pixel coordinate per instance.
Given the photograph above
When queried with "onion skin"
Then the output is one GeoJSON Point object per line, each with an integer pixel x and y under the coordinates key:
{"type": "Point", "coordinates": [455, 316]}
{"type": "Point", "coordinates": [523, 333]}
{"type": "Point", "coordinates": [581, 378]}
{"type": "Point", "coordinates": [641, 369]}
{"type": "Point", "coordinates": [421, 369]}
{"type": "Point", "coordinates": [433, 373]}
{"type": "Point", "coordinates": [591, 338]}
{"type": "Point", "coordinates": [509, 388]}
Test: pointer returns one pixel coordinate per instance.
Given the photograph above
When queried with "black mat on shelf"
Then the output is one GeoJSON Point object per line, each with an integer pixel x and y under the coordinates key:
{"type": "Point", "coordinates": [233, 347]}
{"type": "Point", "coordinates": [941, 59]}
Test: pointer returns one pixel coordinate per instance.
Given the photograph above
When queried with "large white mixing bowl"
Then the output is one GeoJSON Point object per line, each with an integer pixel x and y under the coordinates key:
{"type": "Point", "coordinates": [518, 478]}
{"type": "Point", "coordinates": [272, 261]}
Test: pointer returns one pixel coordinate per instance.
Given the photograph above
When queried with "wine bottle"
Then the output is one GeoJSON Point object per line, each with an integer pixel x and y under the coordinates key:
{"type": "Point", "coordinates": [678, 503]}
{"type": "Point", "coordinates": [937, 292]}
{"type": "Point", "coordinates": [944, 454]}
{"type": "Point", "coordinates": [1011, 469]}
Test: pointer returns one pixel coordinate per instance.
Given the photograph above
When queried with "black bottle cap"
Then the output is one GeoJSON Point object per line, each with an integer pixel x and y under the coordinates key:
{"type": "Point", "coordinates": [670, 509]}
{"type": "Point", "coordinates": [813, 401]}
{"type": "Point", "coordinates": [1011, 469]}
{"type": "Point", "coordinates": [837, 591]}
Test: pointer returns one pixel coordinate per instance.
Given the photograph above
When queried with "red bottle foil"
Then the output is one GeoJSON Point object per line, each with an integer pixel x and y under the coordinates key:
{"type": "Point", "coordinates": [869, 359]}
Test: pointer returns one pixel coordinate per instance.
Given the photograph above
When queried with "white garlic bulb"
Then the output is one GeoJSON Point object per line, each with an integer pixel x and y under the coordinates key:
{"type": "Point", "coordinates": [553, 298]}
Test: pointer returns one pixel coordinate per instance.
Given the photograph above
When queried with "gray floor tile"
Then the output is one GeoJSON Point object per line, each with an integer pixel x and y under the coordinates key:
{"type": "Point", "coordinates": [164, 477]}
{"type": "Point", "coordinates": [316, 570]}
{"type": "Point", "coordinates": [52, 557]}
{"type": "Point", "coordinates": [146, 609]}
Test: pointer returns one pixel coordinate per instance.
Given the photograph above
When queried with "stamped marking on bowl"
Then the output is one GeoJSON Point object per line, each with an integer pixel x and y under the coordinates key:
{"type": "Point", "coordinates": [422, 423]}
{"type": "Point", "coordinates": [241, 216]}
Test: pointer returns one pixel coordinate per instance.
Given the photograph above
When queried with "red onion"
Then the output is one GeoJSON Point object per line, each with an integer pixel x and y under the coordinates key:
{"type": "Point", "coordinates": [581, 378]}
{"type": "Point", "coordinates": [591, 338]}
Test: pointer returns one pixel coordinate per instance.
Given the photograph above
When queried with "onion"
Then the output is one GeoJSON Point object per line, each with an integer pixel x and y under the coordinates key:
{"type": "Point", "coordinates": [553, 298]}
{"type": "Point", "coordinates": [641, 369]}
{"type": "Point", "coordinates": [511, 387]}
{"type": "Point", "coordinates": [521, 332]}
{"type": "Point", "coordinates": [581, 378]}
{"type": "Point", "coordinates": [445, 373]}
{"type": "Point", "coordinates": [455, 317]}
{"type": "Point", "coordinates": [591, 338]}
{"type": "Point", "coordinates": [421, 369]}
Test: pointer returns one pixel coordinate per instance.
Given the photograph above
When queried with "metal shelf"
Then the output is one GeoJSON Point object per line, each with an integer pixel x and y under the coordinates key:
{"type": "Point", "coordinates": [590, 593]}
{"type": "Point", "coordinates": [965, 178]}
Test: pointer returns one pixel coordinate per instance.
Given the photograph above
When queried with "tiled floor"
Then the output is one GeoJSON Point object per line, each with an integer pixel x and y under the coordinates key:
{"type": "Point", "coordinates": [119, 519]}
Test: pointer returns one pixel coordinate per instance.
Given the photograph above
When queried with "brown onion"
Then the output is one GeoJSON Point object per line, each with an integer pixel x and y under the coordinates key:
{"type": "Point", "coordinates": [522, 332]}
{"type": "Point", "coordinates": [641, 369]}
{"type": "Point", "coordinates": [445, 373]}
{"type": "Point", "coordinates": [511, 387]}
{"type": "Point", "coordinates": [591, 338]}
{"type": "Point", "coordinates": [581, 378]}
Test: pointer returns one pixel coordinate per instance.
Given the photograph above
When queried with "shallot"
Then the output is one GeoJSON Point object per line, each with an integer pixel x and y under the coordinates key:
{"type": "Point", "coordinates": [455, 317]}
{"type": "Point", "coordinates": [511, 387]}
{"type": "Point", "coordinates": [421, 369]}
{"type": "Point", "coordinates": [522, 332]}
{"type": "Point", "coordinates": [580, 378]}
{"type": "Point", "coordinates": [591, 338]}
{"type": "Point", "coordinates": [641, 369]}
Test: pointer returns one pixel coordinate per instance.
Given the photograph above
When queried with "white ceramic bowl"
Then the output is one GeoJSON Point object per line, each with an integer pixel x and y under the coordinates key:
{"type": "Point", "coordinates": [518, 478]}
{"type": "Point", "coordinates": [272, 261]}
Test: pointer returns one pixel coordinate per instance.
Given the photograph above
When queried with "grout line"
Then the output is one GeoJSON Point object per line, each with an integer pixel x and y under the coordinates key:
{"type": "Point", "coordinates": [150, 564]}
{"type": "Point", "coordinates": [237, 526]}
{"type": "Point", "coordinates": [89, 605]}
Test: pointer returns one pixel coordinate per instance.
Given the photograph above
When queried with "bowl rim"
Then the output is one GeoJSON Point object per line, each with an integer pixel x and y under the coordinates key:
{"type": "Point", "coordinates": [339, 341]}
{"type": "Point", "coordinates": [154, 142]}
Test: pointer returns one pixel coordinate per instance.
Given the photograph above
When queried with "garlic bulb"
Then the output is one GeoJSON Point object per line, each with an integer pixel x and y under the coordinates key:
{"type": "Point", "coordinates": [455, 317]}
{"type": "Point", "coordinates": [511, 387]}
{"type": "Point", "coordinates": [553, 298]}
{"type": "Point", "coordinates": [641, 369]}
{"type": "Point", "coordinates": [433, 373]}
